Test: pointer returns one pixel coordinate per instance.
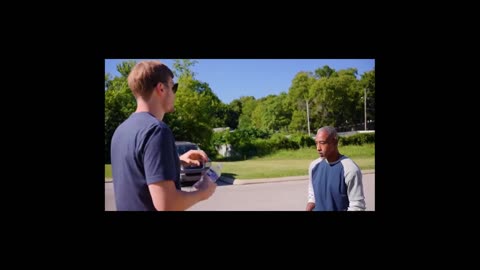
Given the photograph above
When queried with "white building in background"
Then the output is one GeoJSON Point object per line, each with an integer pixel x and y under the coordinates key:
{"type": "Point", "coordinates": [225, 150]}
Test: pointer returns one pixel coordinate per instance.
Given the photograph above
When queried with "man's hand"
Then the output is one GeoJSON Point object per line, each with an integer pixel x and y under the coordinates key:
{"type": "Point", "coordinates": [310, 206]}
{"type": "Point", "coordinates": [206, 186]}
{"type": "Point", "coordinates": [193, 157]}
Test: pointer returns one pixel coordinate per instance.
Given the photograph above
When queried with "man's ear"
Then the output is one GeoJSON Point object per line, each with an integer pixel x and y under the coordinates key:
{"type": "Point", "coordinates": [159, 88]}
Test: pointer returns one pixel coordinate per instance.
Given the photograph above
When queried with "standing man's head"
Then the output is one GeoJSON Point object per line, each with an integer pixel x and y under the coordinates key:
{"type": "Point", "coordinates": [326, 141]}
{"type": "Point", "coordinates": [152, 85]}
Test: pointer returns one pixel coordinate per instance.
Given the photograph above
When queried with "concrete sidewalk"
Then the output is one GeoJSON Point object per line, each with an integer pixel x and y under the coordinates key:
{"type": "Point", "coordinates": [263, 180]}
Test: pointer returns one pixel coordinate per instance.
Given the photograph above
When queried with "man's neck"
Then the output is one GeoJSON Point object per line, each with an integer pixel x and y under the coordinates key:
{"type": "Point", "coordinates": [143, 106]}
{"type": "Point", "coordinates": [334, 157]}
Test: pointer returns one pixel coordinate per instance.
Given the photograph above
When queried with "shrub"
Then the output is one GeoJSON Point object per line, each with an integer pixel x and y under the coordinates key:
{"type": "Point", "coordinates": [357, 139]}
{"type": "Point", "coordinates": [302, 140]}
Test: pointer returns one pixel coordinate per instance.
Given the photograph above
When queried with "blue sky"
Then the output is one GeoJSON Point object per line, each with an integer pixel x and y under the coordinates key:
{"type": "Point", "coordinates": [230, 79]}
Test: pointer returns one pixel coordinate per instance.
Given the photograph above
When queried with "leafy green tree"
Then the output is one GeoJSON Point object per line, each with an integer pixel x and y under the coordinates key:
{"type": "Point", "coordinates": [335, 99]}
{"type": "Point", "coordinates": [217, 111]}
{"type": "Point", "coordinates": [298, 122]}
{"type": "Point", "coordinates": [283, 114]}
{"type": "Point", "coordinates": [119, 103]}
{"type": "Point", "coordinates": [107, 80]}
{"type": "Point", "coordinates": [197, 108]}
{"type": "Point", "coordinates": [272, 113]}
{"type": "Point", "coordinates": [352, 72]}
{"type": "Point", "coordinates": [248, 106]}
{"type": "Point", "coordinates": [368, 82]}
{"type": "Point", "coordinates": [233, 112]}
{"type": "Point", "coordinates": [183, 67]}
{"type": "Point", "coordinates": [324, 72]}
{"type": "Point", "coordinates": [124, 68]}
{"type": "Point", "coordinates": [299, 95]}
{"type": "Point", "coordinates": [191, 118]}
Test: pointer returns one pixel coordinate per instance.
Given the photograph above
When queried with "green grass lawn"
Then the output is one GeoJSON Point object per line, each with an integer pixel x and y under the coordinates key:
{"type": "Point", "coordinates": [287, 163]}
{"type": "Point", "coordinates": [108, 171]}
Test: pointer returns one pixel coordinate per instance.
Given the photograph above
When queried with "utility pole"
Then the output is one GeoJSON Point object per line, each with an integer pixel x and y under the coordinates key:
{"type": "Point", "coordinates": [365, 106]}
{"type": "Point", "coordinates": [308, 118]}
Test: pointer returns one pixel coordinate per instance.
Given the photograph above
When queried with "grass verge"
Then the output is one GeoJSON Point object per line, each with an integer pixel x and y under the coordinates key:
{"type": "Point", "coordinates": [287, 163]}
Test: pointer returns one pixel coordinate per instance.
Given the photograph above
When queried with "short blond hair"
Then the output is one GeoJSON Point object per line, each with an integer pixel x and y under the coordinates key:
{"type": "Point", "coordinates": [146, 75]}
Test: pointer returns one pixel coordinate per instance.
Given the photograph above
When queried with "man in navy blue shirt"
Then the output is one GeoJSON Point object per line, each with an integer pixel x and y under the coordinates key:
{"type": "Point", "coordinates": [145, 163]}
{"type": "Point", "coordinates": [335, 181]}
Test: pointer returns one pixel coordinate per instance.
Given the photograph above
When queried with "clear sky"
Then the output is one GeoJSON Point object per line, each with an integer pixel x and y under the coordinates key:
{"type": "Point", "coordinates": [230, 79]}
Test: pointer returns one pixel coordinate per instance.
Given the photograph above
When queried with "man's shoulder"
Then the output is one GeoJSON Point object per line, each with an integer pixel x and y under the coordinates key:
{"type": "Point", "coordinates": [315, 162]}
{"type": "Point", "coordinates": [349, 164]}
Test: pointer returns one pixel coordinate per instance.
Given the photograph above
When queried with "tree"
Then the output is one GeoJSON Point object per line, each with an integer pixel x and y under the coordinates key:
{"type": "Point", "coordinates": [298, 121]}
{"type": "Point", "coordinates": [324, 72]}
{"type": "Point", "coordinates": [183, 67]}
{"type": "Point", "coordinates": [124, 68]}
{"type": "Point", "coordinates": [217, 110]}
{"type": "Point", "coordinates": [197, 108]}
{"type": "Point", "coordinates": [298, 97]}
{"type": "Point", "coordinates": [368, 82]}
{"type": "Point", "coordinates": [334, 99]}
{"type": "Point", "coordinates": [119, 103]}
{"type": "Point", "coordinates": [248, 106]}
{"type": "Point", "coordinates": [233, 112]}
{"type": "Point", "coordinates": [107, 80]}
{"type": "Point", "coordinates": [283, 112]}
{"type": "Point", "coordinates": [191, 118]}
{"type": "Point", "coordinates": [272, 113]}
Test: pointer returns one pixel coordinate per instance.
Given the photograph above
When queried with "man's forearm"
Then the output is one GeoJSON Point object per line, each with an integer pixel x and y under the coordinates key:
{"type": "Point", "coordinates": [185, 200]}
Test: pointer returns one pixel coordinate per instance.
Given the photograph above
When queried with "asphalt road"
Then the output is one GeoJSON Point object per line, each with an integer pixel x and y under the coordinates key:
{"type": "Point", "coordinates": [271, 196]}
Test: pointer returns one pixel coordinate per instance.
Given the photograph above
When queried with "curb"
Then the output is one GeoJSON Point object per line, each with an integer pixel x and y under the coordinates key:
{"type": "Point", "coordinates": [271, 180]}
{"type": "Point", "coordinates": [262, 180]}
